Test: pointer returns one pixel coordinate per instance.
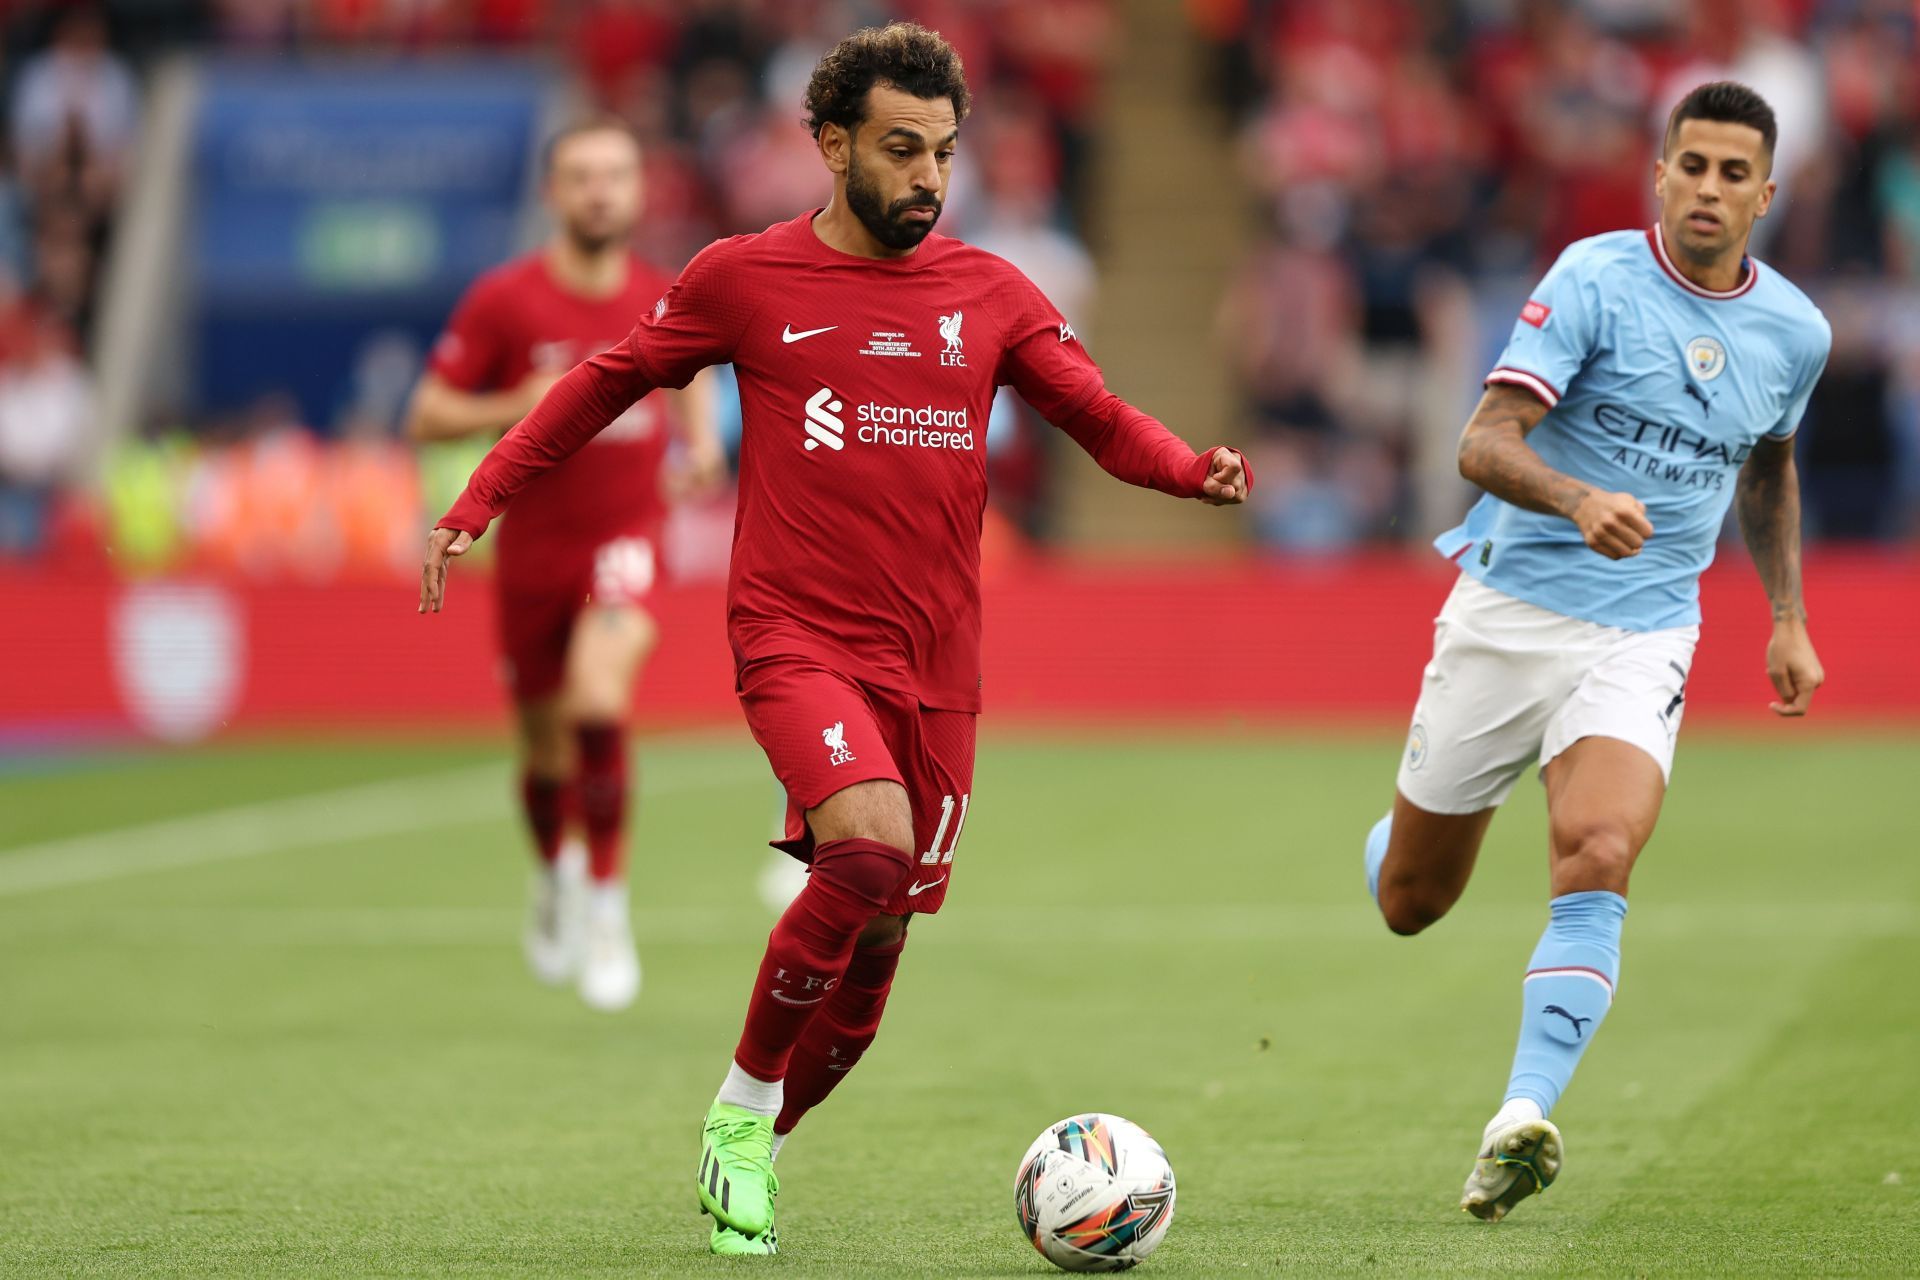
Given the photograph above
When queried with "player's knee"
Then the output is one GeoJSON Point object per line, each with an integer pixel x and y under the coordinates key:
{"type": "Point", "coordinates": [603, 702]}
{"type": "Point", "coordinates": [1591, 854]}
{"type": "Point", "coordinates": [868, 870]}
{"type": "Point", "coordinates": [543, 741]}
{"type": "Point", "coordinates": [1408, 911]}
{"type": "Point", "coordinates": [882, 932]}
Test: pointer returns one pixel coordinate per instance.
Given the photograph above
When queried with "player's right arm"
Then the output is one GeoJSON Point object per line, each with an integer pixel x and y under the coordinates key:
{"type": "Point", "coordinates": [460, 393]}
{"type": "Point", "coordinates": [697, 324]}
{"type": "Point", "coordinates": [1558, 331]}
{"type": "Point", "coordinates": [442, 411]}
{"type": "Point", "coordinates": [1495, 455]}
{"type": "Point", "coordinates": [576, 408]}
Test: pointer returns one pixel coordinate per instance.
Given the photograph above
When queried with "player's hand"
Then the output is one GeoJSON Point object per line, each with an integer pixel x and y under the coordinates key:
{"type": "Point", "coordinates": [1793, 667]}
{"type": "Point", "coordinates": [702, 472]}
{"type": "Point", "coordinates": [1614, 524]}
{"type": "Point", "coordinates": [1226, 483]}
{"type": "Point", "coordinates": [441, 544]}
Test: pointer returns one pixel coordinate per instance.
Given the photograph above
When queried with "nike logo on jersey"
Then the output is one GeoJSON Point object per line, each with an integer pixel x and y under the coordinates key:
{"type": "Point", "coordinates": [788, 335]}
{"type": "Point", "coordinates": [915, 889]}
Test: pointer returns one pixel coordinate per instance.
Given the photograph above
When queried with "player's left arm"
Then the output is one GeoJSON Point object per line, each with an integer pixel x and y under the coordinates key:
{"type": "Point", "coordinates": [1138, 448]}
{"type": "Point", "coordinates": [1767, 498]}
{"type": "Point", "coordinates": [696, 415]}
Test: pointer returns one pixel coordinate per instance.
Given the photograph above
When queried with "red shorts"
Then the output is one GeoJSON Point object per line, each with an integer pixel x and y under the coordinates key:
{"type": "Point", "coordinates": [823, 731]}
{"type": "Point", "coordinates": [535, 611]}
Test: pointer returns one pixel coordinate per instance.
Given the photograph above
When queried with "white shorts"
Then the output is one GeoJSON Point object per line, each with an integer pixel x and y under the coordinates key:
{"type": "Point", "coordinates": [1511, 683]}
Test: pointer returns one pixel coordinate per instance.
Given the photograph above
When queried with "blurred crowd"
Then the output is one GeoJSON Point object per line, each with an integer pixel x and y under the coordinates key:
{"type": "Point", "coordinates": [1419, 163]}
{"type": "Point", "coordinates": [1415, 165]}
{"type": "Point", "coordinates": [714, 89]}
{"type": "Point", "coordinates": [71, 113]}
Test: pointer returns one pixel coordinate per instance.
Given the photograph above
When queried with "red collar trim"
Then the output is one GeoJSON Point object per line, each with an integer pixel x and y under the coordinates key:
{"type": "Point", "coordinates": [1657, 241]}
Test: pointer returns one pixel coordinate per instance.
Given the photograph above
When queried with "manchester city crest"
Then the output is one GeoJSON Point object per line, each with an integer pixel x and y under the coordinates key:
{"type": "Point", "coordinates": [1706, 358]}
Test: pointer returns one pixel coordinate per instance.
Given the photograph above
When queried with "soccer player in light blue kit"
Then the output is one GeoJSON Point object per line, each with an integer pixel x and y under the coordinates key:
{"type": "Point", "coordinates": [1655, 377]}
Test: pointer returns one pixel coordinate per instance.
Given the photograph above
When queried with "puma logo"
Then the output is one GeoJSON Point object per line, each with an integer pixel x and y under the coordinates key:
{"type": "Point", "coordinates": [1706, 401]}
{"type": "Point", "coordinates": [1577, 1022]}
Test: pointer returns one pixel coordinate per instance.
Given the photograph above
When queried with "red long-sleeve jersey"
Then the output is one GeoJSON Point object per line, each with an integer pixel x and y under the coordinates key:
{"type": "Point", "coordinates": [865, 387]}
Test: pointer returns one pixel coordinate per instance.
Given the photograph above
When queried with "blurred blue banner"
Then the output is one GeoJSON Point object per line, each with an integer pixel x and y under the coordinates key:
{"type": "Point", "coordinates": [338, 212]}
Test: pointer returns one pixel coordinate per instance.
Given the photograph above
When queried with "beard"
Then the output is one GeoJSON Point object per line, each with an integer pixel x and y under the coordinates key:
{"type": "Point", "coordinates": [595, 240]}
{"type": "Point", "coordinates": [887, 223]}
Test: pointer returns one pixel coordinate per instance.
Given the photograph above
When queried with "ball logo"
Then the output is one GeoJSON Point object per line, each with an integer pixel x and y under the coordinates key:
{"type": "Point", "coordinates": [1706, 358]}
{"type": "Point", "coordinates": [823, 421]}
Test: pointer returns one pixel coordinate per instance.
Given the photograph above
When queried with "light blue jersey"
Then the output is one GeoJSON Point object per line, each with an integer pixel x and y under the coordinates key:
{"type": "Point", "coordinates": [1654, 387]}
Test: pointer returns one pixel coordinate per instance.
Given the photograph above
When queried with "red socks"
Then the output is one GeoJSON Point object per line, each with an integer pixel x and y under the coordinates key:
{"type": "Point", "coordinates": [596, 797]}
{"type": "Point", "coordinates": [811, 945]}
{"type": "Point", "coordinates": [545, 802]}
{"type": "Point", "coordinates": [603, 784]}
{"type": "Point", "coordinates": [834, 1040]}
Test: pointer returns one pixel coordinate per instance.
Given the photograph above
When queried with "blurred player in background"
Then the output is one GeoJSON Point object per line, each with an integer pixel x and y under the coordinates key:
{"type": "Point", "coordinates": [581, 551]}
{"type": "Point", "coordinates": [868, 351]}
{"type": "Point", "coordinates": [1654, 378]}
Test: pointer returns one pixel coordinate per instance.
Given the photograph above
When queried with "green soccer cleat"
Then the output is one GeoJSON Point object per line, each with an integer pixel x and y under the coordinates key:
{"type": "Point", "coordinates": [736, 1179]}
{"type": "Point", "coordinates": [729, 1243]}
{"type": "Point", "coordinates": [1519, 1161]}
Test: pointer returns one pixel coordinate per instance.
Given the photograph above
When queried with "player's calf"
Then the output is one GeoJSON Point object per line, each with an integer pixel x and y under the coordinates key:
{"type": "Point", "coordinates": [841, 1033]}
{"type": "Point", "coordinates": [1418, 862]}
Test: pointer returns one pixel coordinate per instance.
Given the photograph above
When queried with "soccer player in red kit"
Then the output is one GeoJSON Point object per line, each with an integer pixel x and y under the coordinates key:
{"type": "Point", "coordinates": [580, 552]}
{"type": "Point", "coordinates": [868, 350]}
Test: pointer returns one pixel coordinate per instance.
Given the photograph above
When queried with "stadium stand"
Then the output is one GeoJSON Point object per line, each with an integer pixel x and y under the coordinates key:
{"type": "Point", "coordinates": [1410, 168]}
{"type": "Point", "coordinates": [1418, 165]}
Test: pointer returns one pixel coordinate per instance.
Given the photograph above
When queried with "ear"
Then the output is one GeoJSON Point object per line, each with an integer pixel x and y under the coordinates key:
{"type": "Point", "coordinates": [836, 148]}
{"type": "Point", "coordinates": [1660, 179]}
{"type": "Point", "coordinates": [1766, 199]}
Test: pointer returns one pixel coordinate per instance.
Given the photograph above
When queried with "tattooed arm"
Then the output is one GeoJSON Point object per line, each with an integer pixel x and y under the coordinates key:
{"type": "Point", "coordinates": [1495, 455]}
{"type": "Point", "coordinates": [1767, 498]}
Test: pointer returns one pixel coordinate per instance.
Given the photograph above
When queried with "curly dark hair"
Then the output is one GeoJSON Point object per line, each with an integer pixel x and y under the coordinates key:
{"type": "Point", "coordinates": [901, 55]}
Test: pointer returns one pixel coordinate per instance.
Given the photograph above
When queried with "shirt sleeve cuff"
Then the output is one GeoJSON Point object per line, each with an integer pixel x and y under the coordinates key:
{"type": "Point", "coordinates": [1548, 393]}
{"type": "Point", "coordinates": [467, 515]}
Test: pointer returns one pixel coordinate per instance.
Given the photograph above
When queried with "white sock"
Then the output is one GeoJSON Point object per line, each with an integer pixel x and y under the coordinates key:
{"type": "Point", "coordinates": [779, 1141]}
{"type": "Point", "coordinates": [607, 900]}
{"type": "Point", "coordinates": [1514, 1111]}
{"type": "Point", "coordinates": [762, 1097]}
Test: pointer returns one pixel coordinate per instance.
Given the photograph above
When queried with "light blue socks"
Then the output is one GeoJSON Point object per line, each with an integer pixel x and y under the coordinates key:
{"type": "Point", "coordinates": [1568, 988]}
{"type": "Point", "coordinates": [1377, 853]}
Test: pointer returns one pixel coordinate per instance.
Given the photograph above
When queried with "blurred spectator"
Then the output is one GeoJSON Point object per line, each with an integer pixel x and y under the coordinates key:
{"type": "Point", "coordinates": [1417, 164]}
{"type": "Point", "coordinates": [75, 109]}
{"type": "Point", "coordinates": [46, 422]}
{"type": "Point", "coordinates": [1422, 162]}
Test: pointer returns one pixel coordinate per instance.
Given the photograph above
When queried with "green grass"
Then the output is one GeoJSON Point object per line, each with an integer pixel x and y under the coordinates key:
{"type": "Point", "coordinates": [326, 1059]}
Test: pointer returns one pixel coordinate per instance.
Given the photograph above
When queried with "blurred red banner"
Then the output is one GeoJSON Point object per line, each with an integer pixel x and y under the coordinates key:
{"type": "Point", "coordinates": [90, 658]}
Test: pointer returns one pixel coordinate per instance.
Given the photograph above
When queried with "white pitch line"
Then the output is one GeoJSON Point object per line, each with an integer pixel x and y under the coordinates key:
{"type": "Point", "coordinates": [421, 802]}
{"type": "Point", "coordinates": [997, 926]}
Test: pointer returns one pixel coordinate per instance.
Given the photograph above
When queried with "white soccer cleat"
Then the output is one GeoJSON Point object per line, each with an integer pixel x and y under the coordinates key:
{"type": "Point", "coordinates": [552, 936]}
{"type": "Point", "coordinates": [1517, 1160]}
{"type": "Point", "coordinates": [609, 965]}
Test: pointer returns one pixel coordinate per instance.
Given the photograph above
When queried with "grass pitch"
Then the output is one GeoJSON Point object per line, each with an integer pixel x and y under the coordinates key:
{"type": "Point", "coordinates": [262, 1012]}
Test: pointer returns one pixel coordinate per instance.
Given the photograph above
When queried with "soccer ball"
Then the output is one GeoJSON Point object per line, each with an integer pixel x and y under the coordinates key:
{"type": "Point", "coordinates": [1094, 1193]}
